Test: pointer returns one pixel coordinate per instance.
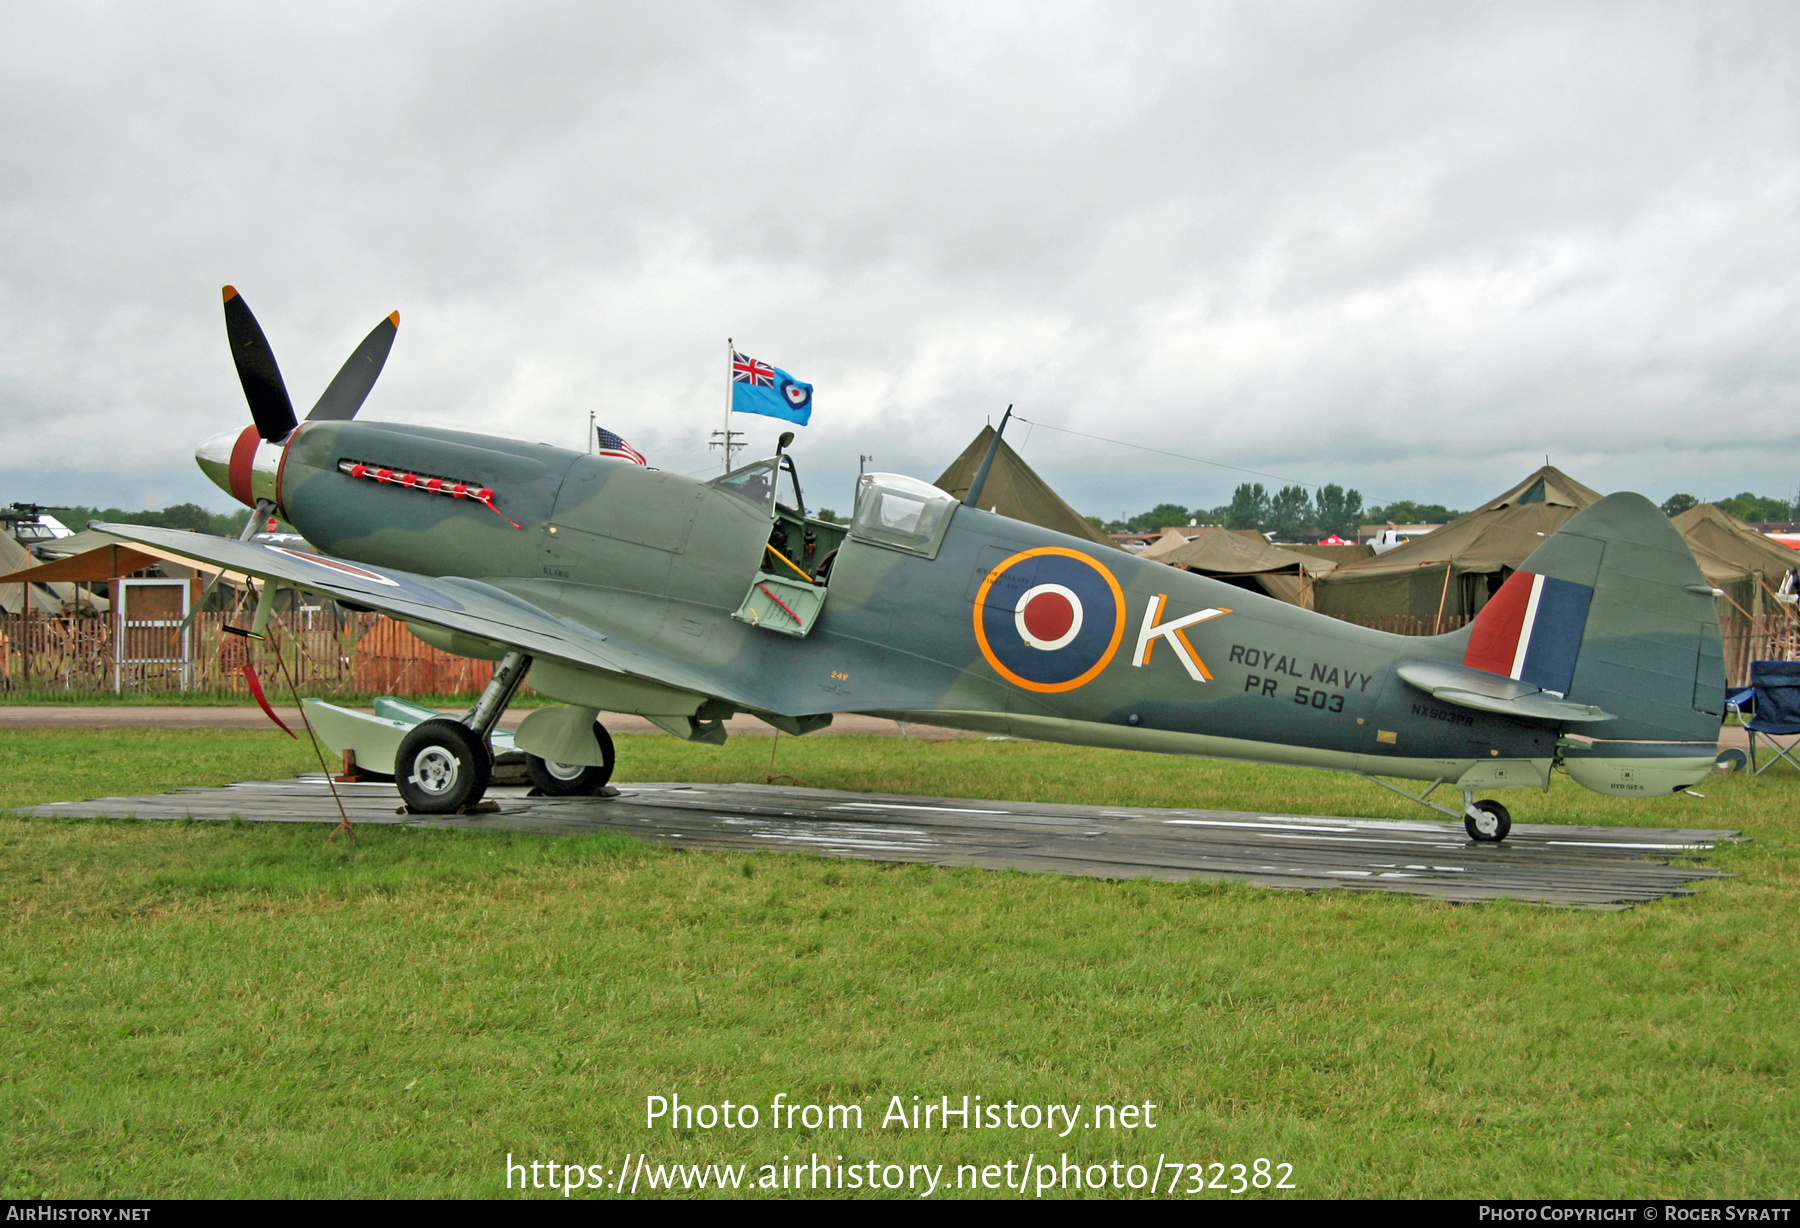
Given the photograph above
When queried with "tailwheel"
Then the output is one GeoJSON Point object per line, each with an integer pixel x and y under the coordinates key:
{"type": "Point", "coordinates": [1487, 821]}
{"type": "Point", "coordinates": [442, 767]}
{"type": "Point", "coordinates": [574, 779]}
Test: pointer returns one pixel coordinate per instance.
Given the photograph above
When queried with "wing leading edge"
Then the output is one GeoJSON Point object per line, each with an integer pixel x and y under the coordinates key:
{"type": "Point", "coordinates": [451, 602]}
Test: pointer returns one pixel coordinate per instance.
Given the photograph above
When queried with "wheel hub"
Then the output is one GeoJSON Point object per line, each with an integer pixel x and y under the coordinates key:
{"type": "Point", "coordinates": [435, 771]}
{"type": "Point", "coordinates": [1486, 822]}
{"type": "Point", "coordinates": [564, 771]}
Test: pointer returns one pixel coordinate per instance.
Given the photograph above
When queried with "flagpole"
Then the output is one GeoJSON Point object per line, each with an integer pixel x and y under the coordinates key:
{"type": "Point", "coordinates": [725, 444]}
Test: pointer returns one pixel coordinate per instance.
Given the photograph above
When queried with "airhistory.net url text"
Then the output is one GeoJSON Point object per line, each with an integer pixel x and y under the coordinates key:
{"type": "Point", "coordinates": [1167, 1177]}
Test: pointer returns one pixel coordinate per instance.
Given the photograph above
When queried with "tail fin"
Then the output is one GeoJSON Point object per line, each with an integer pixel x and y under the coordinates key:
{"type": "Point", "coordinates": [1612, 611]}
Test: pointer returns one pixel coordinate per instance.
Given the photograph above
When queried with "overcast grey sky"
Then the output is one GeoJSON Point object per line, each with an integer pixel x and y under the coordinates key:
{"type": "Point", "coordinates": [1406, 248]}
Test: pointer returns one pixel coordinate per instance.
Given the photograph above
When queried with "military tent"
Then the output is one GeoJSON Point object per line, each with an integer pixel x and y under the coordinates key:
{"type": "Point", "coordinates": [1014, 489]}
{"type": "Point", "coordinates": [1174, 539]}
{"type": "Point", "coordinates": [1246, 560]}
{"type": "Point", "coordinates": [1351, 552]}
{"type": "Point", "coordinates": [1735, 558]}
{"type": "Point", "coordinates": [13, 558]}
{"type": "Point", "coordinates": [88, 540]}
{"type": "Point", "coordinates": [1454, 570]}
{"type": "Point", "coordinates": [1171, 539]}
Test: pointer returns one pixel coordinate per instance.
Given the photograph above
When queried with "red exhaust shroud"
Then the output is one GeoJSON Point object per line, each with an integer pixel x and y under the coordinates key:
{"type": "Point", "coordinates": [483, 495]}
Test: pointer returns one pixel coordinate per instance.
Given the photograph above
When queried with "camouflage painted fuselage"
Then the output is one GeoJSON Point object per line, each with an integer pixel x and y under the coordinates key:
{"type": "Point", "coordinates": [663, 560]}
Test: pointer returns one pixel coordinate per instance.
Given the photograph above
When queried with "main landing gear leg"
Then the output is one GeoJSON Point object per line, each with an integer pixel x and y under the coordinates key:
{"type": "Point", "coordinates": [444, 765]}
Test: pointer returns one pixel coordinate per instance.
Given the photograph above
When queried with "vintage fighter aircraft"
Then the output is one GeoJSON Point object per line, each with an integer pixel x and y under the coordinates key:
{"type": "Point", "coordinates": [618, 588]}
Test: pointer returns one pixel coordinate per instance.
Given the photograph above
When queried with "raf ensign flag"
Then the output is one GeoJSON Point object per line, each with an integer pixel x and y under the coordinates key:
{"type": "Point", "coordinates": [758, 388]}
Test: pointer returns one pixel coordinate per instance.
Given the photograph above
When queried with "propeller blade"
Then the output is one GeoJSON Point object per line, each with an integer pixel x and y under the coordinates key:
{"type": "Point", "coordinates": [257, 372]}
{"type": "Point", "coordinates": [349, 388]}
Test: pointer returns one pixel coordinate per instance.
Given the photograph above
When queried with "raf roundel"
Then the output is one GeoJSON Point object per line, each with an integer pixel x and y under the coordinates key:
{"type": "Point", "coordinates": [797, 394]}
{"type": "Point", "coordinates": [1049, 619]}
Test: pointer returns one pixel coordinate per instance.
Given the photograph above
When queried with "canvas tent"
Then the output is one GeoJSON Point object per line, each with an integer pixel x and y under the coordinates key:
{"type": "Point", "coordinates": [1343, 556]}
{"type": "Point", "coordinates": [1242, 558]}
{"type": "Point", "coordinates": [88, 540]}
{"type": "Point", "coordinates": [1735, 558]}
{"type": "Point", "coordinates": [1174, 539]}
{"type": "Point", "coordinates": [15, 558]}
{"type": "Point", "coordinates": [1457, 568]}
{"type": "Point", "coordinates": [1171, 539]}
{"type": "Point", "coordinates": [90, 557]}
{"type": "Point", "coordinates": [1014, 489]}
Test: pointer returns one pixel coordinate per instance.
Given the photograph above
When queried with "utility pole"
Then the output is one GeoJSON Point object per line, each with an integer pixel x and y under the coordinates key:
{"type": "Point", "coordinates": [730, 443]}
{"type": "Point", "coordinates": [861, 461]}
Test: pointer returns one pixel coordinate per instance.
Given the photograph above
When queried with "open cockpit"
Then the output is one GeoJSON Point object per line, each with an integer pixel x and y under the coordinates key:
{"type": "Point", "coordinates": [789, 588]}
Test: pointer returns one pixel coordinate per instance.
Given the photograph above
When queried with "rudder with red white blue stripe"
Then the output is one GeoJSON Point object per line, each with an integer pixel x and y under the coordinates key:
{"type": "Point", "coordinates": [1531, 630]}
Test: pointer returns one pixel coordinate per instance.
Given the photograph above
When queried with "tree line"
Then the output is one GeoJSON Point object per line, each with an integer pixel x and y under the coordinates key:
{"type": "Point", "coordinates": [1292, 513]}
{"type": "Point", "coordinates": [1745, 506]}
{"type": "Point", "coordinates": [185, 516]}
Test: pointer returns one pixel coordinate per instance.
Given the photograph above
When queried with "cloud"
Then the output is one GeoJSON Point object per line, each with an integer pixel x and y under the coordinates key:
{"type": "Point", "coordinates": [1406, 249]}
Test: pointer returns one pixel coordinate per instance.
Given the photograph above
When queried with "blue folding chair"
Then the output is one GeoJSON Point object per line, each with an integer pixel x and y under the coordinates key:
{"type": "Point", "coordinates": [1773, 703]}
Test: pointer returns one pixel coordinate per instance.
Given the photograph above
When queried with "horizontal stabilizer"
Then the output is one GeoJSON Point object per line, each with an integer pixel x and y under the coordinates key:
{"type": "Point", "coordinates": [1485, 692]}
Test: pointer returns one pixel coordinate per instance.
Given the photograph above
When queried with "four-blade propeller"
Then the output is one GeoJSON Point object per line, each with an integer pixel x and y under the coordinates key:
{"type": "Point", "coordinates": [231, 458]}
{"type": "Point", "coordinates": [265, 390]}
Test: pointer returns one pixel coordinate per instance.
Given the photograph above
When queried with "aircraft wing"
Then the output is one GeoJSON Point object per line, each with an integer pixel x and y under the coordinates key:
{"type": "Point", "coordinates": [451, 602]}
{"type": "Point", "coordinates": [1485, 692]}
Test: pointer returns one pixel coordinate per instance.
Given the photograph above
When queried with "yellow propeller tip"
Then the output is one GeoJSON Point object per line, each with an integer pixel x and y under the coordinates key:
{"type": "Point", "coordinates": [230, 293]}
{"type": "Point", "coordinates": [394, 319]}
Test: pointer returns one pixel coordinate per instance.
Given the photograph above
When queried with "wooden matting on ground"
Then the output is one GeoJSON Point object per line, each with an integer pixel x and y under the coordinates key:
{"type": "Point", "coordinates": [1594, 867]}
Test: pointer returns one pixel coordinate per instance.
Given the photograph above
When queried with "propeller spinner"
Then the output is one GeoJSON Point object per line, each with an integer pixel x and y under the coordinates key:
{"type": "Point", "coordinates": [245, 463]}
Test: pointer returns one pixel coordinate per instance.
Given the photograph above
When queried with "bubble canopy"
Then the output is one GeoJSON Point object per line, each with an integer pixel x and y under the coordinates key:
{"type": "Point", "coordinates": [901, 513]}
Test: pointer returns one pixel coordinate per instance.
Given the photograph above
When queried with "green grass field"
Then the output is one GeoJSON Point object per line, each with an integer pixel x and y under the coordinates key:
{"type": "Point", "coordinates": [245, 1010]}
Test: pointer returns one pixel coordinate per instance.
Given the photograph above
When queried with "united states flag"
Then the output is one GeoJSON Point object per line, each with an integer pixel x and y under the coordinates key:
{"type": "Point", "coordinates": [612, 445]}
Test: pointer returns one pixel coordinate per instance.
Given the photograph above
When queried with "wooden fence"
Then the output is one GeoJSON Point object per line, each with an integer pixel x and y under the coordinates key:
{"type": "Point", "coordinates": [365, 653]}
{"type": "Point", "coordinates": [1762, 637]}
{"type": "Point", "coordinates": [372, 654]}
{"type": "Point", "coordinates": [390, 660]}
{"type": "Point", "coordinates": [1408, 624]}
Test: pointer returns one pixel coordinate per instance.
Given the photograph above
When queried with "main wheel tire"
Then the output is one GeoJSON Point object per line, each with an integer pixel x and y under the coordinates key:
{"type": "Point", "coordinates": [1490, 822]}
{"type": "Point", "coordinates": [573, 779]}
{"type": "Point", "coordinates": [442, 767]}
